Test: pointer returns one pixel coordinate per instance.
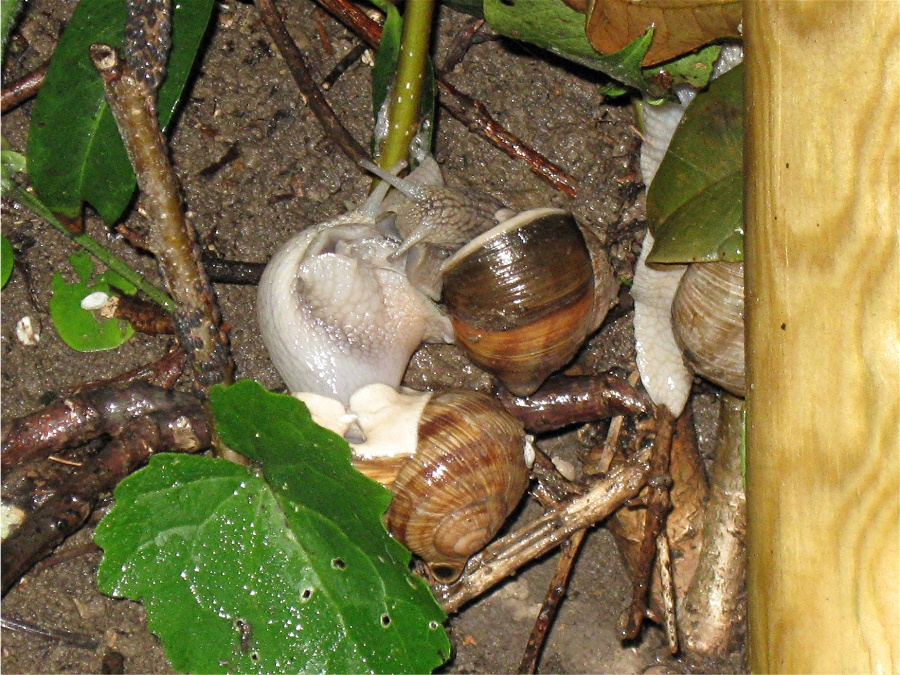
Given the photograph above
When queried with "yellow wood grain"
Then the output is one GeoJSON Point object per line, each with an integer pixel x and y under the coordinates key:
{"type": "Point", "coordinates": [823, 308]}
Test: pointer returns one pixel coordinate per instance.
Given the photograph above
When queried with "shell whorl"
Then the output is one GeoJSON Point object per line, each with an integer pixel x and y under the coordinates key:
{"type": "Point", "coordinates": [524, 296]}
{"type": "Point", "coordinates": [708, 322]}
{"type": "Point", "coordinates": [467, 475]}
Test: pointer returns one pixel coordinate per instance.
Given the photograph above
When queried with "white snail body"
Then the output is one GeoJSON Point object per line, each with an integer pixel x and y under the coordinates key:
{"type": "Point", "coordinates": [337, 313]}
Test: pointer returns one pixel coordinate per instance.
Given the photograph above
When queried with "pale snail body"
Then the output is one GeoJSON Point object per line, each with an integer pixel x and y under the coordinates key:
{"type": "Point", "coordinates": [342, 320]}
{"type": "Point", "coordinates": [337, 313]}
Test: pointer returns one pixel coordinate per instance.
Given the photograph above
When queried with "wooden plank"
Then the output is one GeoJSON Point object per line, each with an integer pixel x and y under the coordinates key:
{"type": "Point", "coordinates": [823, 173]}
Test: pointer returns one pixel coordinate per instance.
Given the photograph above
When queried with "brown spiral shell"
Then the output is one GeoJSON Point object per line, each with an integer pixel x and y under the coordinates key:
{"type": "Point", "coordinates": [708, 322]}
{"type": "Point", "coordinates": [467, 475]}
{"type": "Point", "coordinates": [524, 296]}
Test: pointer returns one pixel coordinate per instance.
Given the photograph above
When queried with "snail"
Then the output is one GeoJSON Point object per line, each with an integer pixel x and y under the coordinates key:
{"type": "Point", "coordinates": [708, 322]}
{"type": "Point", "coordinates": [687, 318]}
{"type": "Point", "coordinates": [524, 296]}
{"type": "Point", "coordinates": [336, 312]}
{"type": "Point", "coordinates": [456, 462]}
{"type": "Point", "coordinates": [341, 310]}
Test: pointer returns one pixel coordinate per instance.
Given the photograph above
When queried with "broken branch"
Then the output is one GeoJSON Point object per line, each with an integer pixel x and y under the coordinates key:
{"type": "Point", "coordinates": [509, 553]}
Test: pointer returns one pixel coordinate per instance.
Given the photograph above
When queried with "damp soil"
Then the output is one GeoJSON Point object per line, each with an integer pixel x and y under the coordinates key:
{"type": "Point", "coordinates": [280, 174]}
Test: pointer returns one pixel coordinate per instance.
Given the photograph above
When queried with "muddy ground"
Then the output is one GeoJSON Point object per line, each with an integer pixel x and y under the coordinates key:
{"type": "Point", "coordinates": [286, 176]}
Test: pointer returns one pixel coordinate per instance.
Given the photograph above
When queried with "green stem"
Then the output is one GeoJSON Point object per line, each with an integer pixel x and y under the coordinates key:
{"type": "Point", "coordinates": [407, 93]}
{"type": "Point", "coordinates": [93, 247]}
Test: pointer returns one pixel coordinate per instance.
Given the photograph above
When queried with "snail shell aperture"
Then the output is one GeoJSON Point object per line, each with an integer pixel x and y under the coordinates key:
{"type": "Point", "coordinates": [523, 296]}
{"type": "Point", "coordinates": [708, 322]}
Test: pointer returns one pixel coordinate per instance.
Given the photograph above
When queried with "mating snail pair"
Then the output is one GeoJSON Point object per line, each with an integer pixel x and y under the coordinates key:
{"type": "Point", "coordinates": [344, 304]}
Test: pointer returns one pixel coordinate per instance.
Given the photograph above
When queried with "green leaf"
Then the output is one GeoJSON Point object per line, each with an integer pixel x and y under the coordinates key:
{"type": "Point", "coordinates": [695, 203]}
{"type": "Point", "coordinates": [80, 328]}
{"type": "Point", "coordinates": [694, 69]}
{"type": "Point", "coordinates": [556, 27]}
{"type": "Point", "coordinates": [11, 163]}
{"type": "Point", "coordinates": [283, 569]}
{"type": "Point", "coordinates": [74, 149]}
{"type": "Point", "coordinates": [8, 259]}
{"type": "Point", "coordinates": [9, 11]}
{"type": "Point", "coordinates": [386, 57]}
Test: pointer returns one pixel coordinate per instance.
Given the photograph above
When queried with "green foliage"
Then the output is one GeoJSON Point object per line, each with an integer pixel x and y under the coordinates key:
{"type": "Point", "coordinates": [695, 203]}
{"type": "Point", "coordinates": [74, 149]}
{"type": "Point", "coordinates": [79, 328]}
{"type": "Point", "coordinates": [11, 163]}
{"type": "Point", "coordinates": [556, 27]}
{"type": "Point", "coordinates": [284, 568]}
{"type": "Point", "coordinates": [8, 259]}
{"type": "Point", "coordinates": [386, 58]}
{"type": "Point", "coordinates": [9, 11]}
{"type": "Point", "coordinates": [693, 69]}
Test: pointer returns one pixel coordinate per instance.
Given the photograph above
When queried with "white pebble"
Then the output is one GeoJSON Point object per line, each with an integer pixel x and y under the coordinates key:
{"type": "Point", "coordinates": [27, 333]}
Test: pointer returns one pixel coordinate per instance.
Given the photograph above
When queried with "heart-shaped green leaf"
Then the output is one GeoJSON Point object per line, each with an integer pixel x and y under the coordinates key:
{"type": "Point", "coordinates": [695, 203]}
{"type": "Point", "coordinates": [75, 153]}
{"type": "Point", "coordinates": [284, 568]}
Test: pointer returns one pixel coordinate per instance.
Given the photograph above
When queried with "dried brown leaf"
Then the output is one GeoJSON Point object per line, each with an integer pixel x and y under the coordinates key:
{"type": "Point", "coordinates": [681, 26]}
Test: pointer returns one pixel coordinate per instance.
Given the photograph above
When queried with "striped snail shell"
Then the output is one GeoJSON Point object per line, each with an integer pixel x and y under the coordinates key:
{"type": "Point", "coordinates": [708, 322]}
{"type": "Point", "coordinates": [466, 476]}
{"type": "Point", "coordinates": [523, 296]}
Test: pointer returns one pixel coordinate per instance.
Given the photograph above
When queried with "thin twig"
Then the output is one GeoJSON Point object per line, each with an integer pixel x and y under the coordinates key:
{"type": "Point", "coordinates": [302, 76]}
{"type": "Point", "coordinates": [552, 489]}
{"type": "Point", "coordinates": [173, 241]}
{"type": "Point", "coordinates": [552, 600]}
{"type": "Point", "coordinates": [459, 47]}
{"type": "Point", "coordinates": [164, 372]}
{"type": "Point", "coordinates": [69, 637]}
{"type": "Point", "coordinates": [657, 502]}
{"type": "Point", "coordinates": [20, 91]}
{"type": "Point", "coordinates": [467, 110]}
{"type": "Point", "coordinates": [474, 115]}
{"type": "Point", "coordinates": [506, 555]}
{"type": "Point", "coordinates": [343, 65]}
{"type": "Point", "coordinates": [223, 271]}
